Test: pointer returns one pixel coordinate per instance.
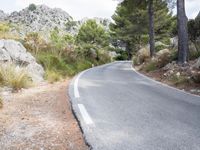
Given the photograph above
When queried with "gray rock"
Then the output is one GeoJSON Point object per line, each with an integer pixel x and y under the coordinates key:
{"type": "Point", "coordinates": [197, 64]}
{"type": "Point", "coordinates": [3, 16]}
{"type": "Point", "coordinates": [174, 42]}
{"type": "Point", "coordinates": [158, 43]}
{"type": "Point", "coordinates": [36, 71]}
{"type": "Point", "coordinates": [192, 48]}
{"type": "Point", "coordinates": [17, 52]}
{"type": "Point", "coordinates": [14, 52]}
{"type": "Point", "coordinates": [4, 55]}
{"type": "Point", "coordinates": [162, 53]}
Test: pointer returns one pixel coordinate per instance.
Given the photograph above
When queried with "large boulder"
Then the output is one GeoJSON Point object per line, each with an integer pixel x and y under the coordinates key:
{"type": "Point", "coordinates": [112, 54]}
{"type": "Point", "coordinates": [163, 57]}
{"type": "Point", "coordinates": [14, 52]}
{"type": "Point", "coordinates": [174, 42]}
{"type": "Point", "coordinates": [158, 43]}
{"type": "Point", "coordinates": [142, 55]}
{"type": "Point", "coordinates": [163, 53]}
{"type": "Point", "coordinates": [192, 48]}
{"type": "Point", "coordinates": [197, 64]}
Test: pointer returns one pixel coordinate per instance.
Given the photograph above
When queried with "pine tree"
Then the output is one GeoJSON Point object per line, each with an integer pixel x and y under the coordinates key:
{"type": "Point", "coordinates": [131, 22]}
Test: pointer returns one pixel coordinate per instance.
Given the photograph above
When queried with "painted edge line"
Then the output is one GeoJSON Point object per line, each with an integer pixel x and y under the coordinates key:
{"type": "Point", "coordinates": [163, 83]}
{"type": "Point", "coordinates": [85, 115]}
{"type": "Point", "coordinates": [76, 91]}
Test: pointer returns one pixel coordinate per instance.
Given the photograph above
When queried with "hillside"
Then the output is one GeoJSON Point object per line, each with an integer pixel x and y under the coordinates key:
{"type": "Point", "coordinates": [43, 19]}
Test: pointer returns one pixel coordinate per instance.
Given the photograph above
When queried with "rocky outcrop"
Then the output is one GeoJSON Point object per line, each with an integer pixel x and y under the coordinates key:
{"type": "Point", "coordinates": [197, 64]}
{"type": "Point", "coordinates": [14, 52]}
{"type": "Point", "coordinates": [3, 16]}
{"type": "Point", "coordinates": [163, 53]}
{"type": "Point", "coordinates": [43, 19]}
{"type": "Point", "coordinates": [142, 55]}
{"type": "Point", "coordinates": [40, 19]}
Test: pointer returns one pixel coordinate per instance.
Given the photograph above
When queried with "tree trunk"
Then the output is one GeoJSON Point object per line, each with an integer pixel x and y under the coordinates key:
{"type": "Point", "coordinates": [128, 50]}
{"type": "Point", "coordinates": [151, 27]}
{"type": "Point", "coordinates": [183, 48]}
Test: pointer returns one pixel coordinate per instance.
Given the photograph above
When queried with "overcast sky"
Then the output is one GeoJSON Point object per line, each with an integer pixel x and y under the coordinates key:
{"type": "Point", "coordinates": [79, 9]}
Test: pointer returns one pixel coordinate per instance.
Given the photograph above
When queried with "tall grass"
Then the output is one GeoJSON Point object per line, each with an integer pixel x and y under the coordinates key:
{"type": "Point", "coordinates": [52, 76]}
{"type": "Point", "coordinates": [14, 77]}
{"type": "Point", "coordinates": [1, 103]}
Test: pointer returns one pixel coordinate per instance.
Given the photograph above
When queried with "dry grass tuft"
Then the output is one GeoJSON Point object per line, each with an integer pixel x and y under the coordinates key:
{"type": "Point", "coordinates": [14, 77]}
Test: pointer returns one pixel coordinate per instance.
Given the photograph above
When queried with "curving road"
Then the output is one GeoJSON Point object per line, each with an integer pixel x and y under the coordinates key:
{"type": "Point", "coordinates": [119, 109]}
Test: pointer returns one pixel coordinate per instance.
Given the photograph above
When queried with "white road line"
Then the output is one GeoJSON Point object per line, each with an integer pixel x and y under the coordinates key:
{"type": "Point", "coordinates": [76, 91]}
{"type": "Point", "coordinates": [85, 114]}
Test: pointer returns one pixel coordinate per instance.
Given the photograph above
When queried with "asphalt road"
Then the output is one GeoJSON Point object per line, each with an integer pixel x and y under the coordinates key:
{"type": "Point", "coordinates": [119, 109]}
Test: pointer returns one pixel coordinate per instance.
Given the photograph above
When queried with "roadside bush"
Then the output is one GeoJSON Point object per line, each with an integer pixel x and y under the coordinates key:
{"type": "Point", "coordinates": [194, 55]}
{"type": "Point", "coordinates": [14, 77]}
{"type": "Point", "coordinates": [52, 76]}
{"type": "Point", "coordinates": [32, 7]}
{"type": "Point", "coordinates": [54, 63]}
{"type": "Point", "coordinates": [178, 80]}
{"type": "Point", "coordinates": [159, 47]}
{"type": "Point", "coordinates": [196, 77]}
{"type": "Point", "coordinates": [81, 65]}
{"type": "Point", "coordinates": [174, 55]}
{"type": "Point", "coordinates": [150, 66]}
{"type": "Point", "coordinates": [103, 57]}
{"type": "Point", "coordinates": [134, 59]}
{"type": "Point", "coordinates": [122, 55]}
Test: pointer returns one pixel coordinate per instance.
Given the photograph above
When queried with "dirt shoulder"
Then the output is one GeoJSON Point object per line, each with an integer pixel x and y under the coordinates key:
{"type": "Point", "coordinates": [187, 86]}
{"type": "Point", "coordinates": [39, 118]}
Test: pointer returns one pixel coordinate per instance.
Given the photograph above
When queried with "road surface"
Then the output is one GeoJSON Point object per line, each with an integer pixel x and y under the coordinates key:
{"type": "Point", "coordinates": [120, 109]}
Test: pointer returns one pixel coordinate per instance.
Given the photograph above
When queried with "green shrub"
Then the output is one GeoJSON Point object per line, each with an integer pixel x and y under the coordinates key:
{"type": "Point", "coordinates": [194, 55]}
{"type": "Point", "coordinates": [52, 62]}
{"type": "Point", "coordinates": [52, 76]}
{"type": "Point", "coordinates": [103, 57]}
{"type": "Point", "coordinates": [150, 66]}
{"type": "Point", "coordinates": [178, 80]}
{"type": "Point", "coordinates": [174, 55]}
{"type": "Point", "coordinates": [159, 47]}
{"type": "Point", "coordinates": [32, 7]}
{"type": "Point", "coordinates": [14, 77]}
{"type": "Point", "coordinates": [196, 77]}
{"type": "Point", "coordinates": [123, 55]}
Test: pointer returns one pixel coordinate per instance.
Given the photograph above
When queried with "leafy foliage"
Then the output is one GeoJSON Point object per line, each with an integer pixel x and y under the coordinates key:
{"type": "Point", "coordinates": [194, 31]}
{"type": "Point", "coordinates": [32, 7]}
{"type": "Point", "coordinates": [92, 33]}
{"type": "Point", "coordinates": [131, 23]}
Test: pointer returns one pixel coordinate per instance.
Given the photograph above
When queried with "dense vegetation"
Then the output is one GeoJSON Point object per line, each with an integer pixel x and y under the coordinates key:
{"type": "Point", "coordinates": [66, 55]}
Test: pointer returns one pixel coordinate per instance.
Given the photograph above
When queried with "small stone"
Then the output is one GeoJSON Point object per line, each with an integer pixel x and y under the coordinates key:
{"type": "Point", "coordinates": [178, 74]}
